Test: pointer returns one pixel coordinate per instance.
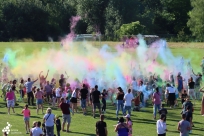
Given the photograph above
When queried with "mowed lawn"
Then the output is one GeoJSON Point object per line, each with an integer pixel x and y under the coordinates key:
{"type": "Point", "coordinates": [143, 123]}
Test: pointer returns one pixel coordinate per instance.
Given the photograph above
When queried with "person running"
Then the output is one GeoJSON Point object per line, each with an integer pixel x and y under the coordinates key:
{"type": "Point", "coordinates": [101, 127]}
{"type": "Point", "coordinates": [37, 131]}
{"type": "Point", "coordinates": [161, 125]}
{"type": "Point", "coordinates": [26, 114]}
{"type": "Point", "coordinates": [119, 98]}
{"type": "Point", "coordinates": [96, 95]}
{"type": "Point", "coordinates": [66, 117]}
{"type": "Point", "coordinates": [129, 124]}
{"type": "Point", "coordinates": [202, 103]}
{"type": "Point", "coordinates": [156, 101]}
{"type": "Point", "coordinates": [29, 92]}
{"type": "Point", "coordinates": [39, 100]}
{"type": "Point", "coordinates": [128, 98]}
{"type": "Point", "coordinates": [122, 128]}
{"type": "Point", "coordinates": [10, 100]}
{"type": "Point", "coordinates": [83, 94]}
{"type": "Point", "coordinates": [184, 126]}
{"type": "Point", "coordinates": [104, 97]}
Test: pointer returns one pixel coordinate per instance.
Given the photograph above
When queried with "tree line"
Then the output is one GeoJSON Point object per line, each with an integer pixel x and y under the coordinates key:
{"type": "Point", "coordinates": [40, 19]}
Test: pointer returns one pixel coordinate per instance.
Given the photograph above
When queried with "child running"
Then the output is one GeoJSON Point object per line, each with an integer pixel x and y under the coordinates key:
{"type": "Point", "coordinates": [26, 114]}
{"type": "Point", "coordinates": [39, 100]}
{"type": "Point", "coordinates": [10, 100]}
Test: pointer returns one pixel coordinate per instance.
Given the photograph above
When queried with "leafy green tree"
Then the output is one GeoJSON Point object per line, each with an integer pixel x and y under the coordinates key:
{"type": "Point", "coordinates": [92, 12]}
{"type": "Point", "coordinates": [133, 28]}
{"type": "Point", "coordinates": [196, 21]}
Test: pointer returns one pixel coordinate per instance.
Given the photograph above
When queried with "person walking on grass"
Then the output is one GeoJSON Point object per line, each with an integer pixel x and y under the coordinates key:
{"type": "Point", "coordinates": [10, 100]}
{"type": "Point", "coordinates": [39, 100]}
{"type": "Point", "coordinates": [119, 98]}
{"type": "Point", "coordinates": [26, 114]}
{"type": "Point", "coordinates": [156, 101]}
{"type": "Point", "coordinates": [96, 95]}
{"type": "Point", "coordinates": [128, 98]}
{"type": "Point", "coordinates": [29, 92]}
{"type": "Point", "coordinates": [66, 117]}
{"type": "Point", "coordinates": [36, 131]}
{"type": "Point", "coordinates": [49, 120]}
{"type": "Point", "coordinates": [104, 97]}
{"type": "Point", "coordinates": [83, 94]}
{"type": "Point", "coordinates": [101, 127]}
{"type": "Point", "coordinates": [184, 126]}
{"type": "Point", "coordinates": [161, 125]}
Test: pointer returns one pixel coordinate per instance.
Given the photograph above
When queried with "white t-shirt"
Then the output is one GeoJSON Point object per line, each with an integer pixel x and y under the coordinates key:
{"type": "Point", "coordinates": [134, 85]}
{"type": "Point", "coordinates": [171, 89]}
{"type": "Point", "coordinates": [74, 94]}
{"type": "Point", "coordinates": [128, 99]}
{"type": "Point", "coordinates": [161, 127]}
{"type": "Point", "coordinates": [49, 122]}
{"type": "Point", "coordinates": [58, 92]}
{"type": "Point", "coordinates": [36, 131]}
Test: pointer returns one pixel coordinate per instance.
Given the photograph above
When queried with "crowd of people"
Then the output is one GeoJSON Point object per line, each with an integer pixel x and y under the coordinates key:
{"type": "Point", "coordinates": [140, 90]}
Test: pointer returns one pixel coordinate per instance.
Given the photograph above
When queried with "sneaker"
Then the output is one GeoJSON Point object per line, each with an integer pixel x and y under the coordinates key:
{"type": "Point", "coordinates": [27, 132]}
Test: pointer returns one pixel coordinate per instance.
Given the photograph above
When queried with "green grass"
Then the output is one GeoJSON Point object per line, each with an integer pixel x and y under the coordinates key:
{"type": "Point", "coordinates": [143, 124]}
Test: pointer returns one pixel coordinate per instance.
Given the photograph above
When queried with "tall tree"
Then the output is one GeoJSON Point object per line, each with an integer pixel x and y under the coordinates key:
{"type": "Point", "coordinates": [92, 12]}
{"type": "Point", "coordinates": [196, 21]}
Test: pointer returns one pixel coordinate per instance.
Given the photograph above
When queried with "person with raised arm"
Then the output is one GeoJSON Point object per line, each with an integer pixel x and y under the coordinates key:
{"type": "Point", "coordinates": [43, 79]}
{"type": "Point", "coordinates": [29, 92]}
{"type": "Point", "coordinates": [198, 80]}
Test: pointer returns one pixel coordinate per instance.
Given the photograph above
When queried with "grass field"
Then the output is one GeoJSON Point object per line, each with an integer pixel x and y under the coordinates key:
{"type": "Point", "coordinates": [143, 123]}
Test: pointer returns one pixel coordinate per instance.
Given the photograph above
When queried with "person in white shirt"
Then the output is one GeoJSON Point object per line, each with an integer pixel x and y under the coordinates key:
{"type": "Point", "coordinates": [58, 93]}
{"type": "Point", "coordinates": [171, 94]}
{"type": "Point", "coordinates": [36, 131]}
{"type": "Point", "coordinates": [161, 125]}
{"type": "Point", "coordinates": [128, 97]}
{"type": "Point", "coordinates": [134, 86]}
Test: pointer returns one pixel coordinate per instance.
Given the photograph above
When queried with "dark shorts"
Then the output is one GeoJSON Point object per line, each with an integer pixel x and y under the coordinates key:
{"type": "Point", "coordinates": [73, 100]}
{"type": "Point", "coordinates": [96, 105]}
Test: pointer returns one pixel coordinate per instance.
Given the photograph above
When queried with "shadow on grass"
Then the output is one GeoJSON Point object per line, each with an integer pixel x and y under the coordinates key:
{"type": "Point", "coordinates": [85, 134]}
